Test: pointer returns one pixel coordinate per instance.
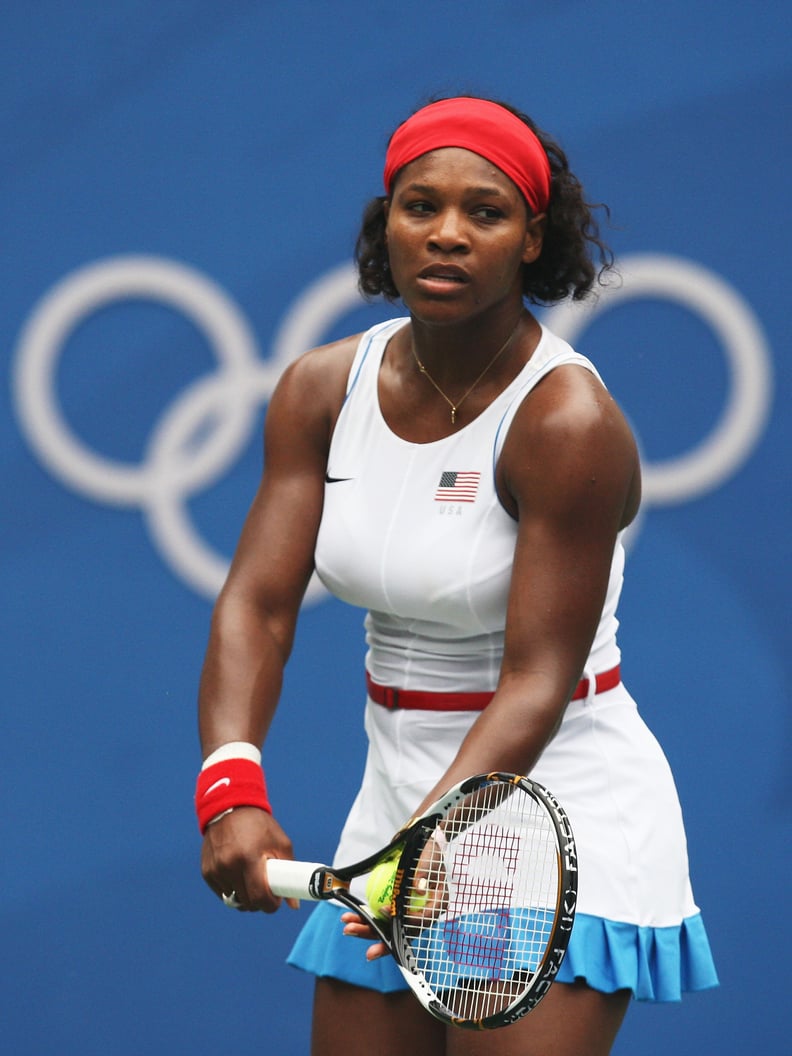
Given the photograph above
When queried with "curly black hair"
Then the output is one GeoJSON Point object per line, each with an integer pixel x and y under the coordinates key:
{"type": "Point", "coordinates": [573, 256]}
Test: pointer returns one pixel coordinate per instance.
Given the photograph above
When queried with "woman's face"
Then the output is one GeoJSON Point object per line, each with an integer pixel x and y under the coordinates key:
{"type": "Point", "coordinates": [458, 235]}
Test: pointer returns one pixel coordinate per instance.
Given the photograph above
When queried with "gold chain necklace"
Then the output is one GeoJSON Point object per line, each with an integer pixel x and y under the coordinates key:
{"type": "Point", "coordinates": [455, 406]}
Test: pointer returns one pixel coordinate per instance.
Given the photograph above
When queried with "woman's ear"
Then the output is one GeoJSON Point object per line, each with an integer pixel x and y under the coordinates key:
{"type": "Point", "coordinates": [534, 238]}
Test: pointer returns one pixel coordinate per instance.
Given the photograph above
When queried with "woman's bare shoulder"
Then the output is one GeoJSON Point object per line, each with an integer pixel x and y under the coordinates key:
{"type": "Point", "coordinates": [569, 437]}
{"type": "Point", "coordinates": [324, 365]}
{"type": "Point", "coordinates": [313, 386]}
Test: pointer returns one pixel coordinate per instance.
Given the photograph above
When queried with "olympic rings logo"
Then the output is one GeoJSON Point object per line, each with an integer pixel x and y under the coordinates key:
{"type": "Point", "coordinates": [206, 428]}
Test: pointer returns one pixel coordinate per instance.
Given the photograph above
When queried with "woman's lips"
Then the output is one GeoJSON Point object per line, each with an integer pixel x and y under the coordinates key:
{"type": "Point", "coordinates": [443, 277]}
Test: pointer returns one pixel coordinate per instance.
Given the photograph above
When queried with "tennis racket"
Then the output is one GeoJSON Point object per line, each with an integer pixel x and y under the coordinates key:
{"type": "Point", "coordinates": [483, 898]}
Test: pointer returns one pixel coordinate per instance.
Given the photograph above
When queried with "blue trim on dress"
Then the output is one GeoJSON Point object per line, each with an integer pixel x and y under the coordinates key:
{"type": "Point", "coordinates": [369, 337]}
{"type": "Point", "coordinates": [656, 964]}
{"type": "Point", "coordinates": [514, 404]}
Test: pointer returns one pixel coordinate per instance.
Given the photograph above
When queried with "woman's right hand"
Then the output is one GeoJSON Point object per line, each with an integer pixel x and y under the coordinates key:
{"type": "Point", "coordinates": [234, 856]}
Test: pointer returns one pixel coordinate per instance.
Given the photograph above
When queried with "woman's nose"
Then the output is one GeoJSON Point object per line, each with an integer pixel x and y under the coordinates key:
{"type": "Point", "coordinates": [449, 230]}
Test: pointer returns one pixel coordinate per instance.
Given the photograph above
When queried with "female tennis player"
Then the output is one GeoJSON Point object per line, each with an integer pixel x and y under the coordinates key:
{"type": "Point", "coordinates": [464, 476]}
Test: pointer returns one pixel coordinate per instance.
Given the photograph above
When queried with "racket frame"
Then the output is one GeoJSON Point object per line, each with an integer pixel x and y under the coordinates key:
{"type": "Point", "coordinates": [566, 898]}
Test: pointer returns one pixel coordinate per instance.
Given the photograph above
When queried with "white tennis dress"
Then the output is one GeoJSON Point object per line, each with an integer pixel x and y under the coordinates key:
{"type": "Point", "coordinates": [416, 535]}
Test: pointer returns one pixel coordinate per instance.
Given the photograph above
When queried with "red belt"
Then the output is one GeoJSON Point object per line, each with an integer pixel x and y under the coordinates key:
{"type": "Point", "coordinates": [419, 700]}
{"type": "Point", "coordinates": [602, 683]}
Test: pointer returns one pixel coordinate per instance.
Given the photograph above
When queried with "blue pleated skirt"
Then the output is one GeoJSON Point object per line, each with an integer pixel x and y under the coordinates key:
{"type": "Point", "coordinates": [656, 964]}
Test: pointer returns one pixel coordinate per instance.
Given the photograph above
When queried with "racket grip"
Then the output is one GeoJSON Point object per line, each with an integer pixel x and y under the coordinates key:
{"type": "Point", "coordinates": [289, 879]}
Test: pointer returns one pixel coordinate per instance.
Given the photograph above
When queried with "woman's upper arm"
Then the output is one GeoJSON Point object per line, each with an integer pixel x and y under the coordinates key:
{"type": "Point", "coordinates": [274, 555]}
{"type": "Point", "coordinates": [254, 619]}
{"type": "Point", "coordinates": [571, 469]}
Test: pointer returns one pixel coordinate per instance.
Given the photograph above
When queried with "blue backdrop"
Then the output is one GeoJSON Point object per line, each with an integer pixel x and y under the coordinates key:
{"type": "Point", "coordinates": [181, 188]}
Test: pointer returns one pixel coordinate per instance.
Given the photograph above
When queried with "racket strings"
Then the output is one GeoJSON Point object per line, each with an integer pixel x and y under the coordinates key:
{"type": "Point", "coordinates": [485, 895]}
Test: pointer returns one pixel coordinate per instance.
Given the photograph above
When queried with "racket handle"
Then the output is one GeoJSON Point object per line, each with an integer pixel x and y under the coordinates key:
{"type": "Point", "coordinates": [289, 879]}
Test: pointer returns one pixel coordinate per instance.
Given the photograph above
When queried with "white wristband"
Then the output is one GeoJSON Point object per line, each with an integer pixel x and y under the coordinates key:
{"type": "Point", "coordinates": [233, 750]}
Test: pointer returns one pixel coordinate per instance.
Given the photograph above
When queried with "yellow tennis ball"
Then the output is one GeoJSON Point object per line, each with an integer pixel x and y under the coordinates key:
{"type": "Point", "coordinates": [379, 887]}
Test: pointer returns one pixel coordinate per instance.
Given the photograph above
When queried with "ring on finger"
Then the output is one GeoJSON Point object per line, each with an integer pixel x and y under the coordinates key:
{"type": "Point", "coordinates": [231, 900]}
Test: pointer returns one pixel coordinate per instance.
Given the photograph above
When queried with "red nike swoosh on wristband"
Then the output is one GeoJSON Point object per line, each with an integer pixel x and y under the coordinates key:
{"type": "Point", "coordinates": [222, 781]}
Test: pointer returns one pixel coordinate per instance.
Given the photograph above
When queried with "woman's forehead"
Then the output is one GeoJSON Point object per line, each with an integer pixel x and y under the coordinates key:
{"type": "Point", "coordinates": [459, 166]}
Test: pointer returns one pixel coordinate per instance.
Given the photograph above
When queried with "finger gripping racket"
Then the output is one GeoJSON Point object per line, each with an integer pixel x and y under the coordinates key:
{"type": "Point", "coordinates": [483, 898]}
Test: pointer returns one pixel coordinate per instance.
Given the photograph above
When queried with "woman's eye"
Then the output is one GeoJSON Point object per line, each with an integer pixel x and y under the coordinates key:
{"type": "Point", "coordinates": [419, 207]}
{"type": "Point", "coordinates": [488, 212]}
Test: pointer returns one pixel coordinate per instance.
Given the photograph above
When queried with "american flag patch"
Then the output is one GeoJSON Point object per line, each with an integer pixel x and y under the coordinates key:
{"type": "Point", "coordinates": [457, 487]}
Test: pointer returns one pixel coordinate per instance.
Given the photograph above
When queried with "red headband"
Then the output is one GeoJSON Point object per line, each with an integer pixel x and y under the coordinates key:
{"type": "Point", "coordinates": [487, 129]}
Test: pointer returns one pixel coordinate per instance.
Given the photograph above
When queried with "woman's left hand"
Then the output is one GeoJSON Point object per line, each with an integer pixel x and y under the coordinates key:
{"type": "Point", "coordinates": [356, 926]}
